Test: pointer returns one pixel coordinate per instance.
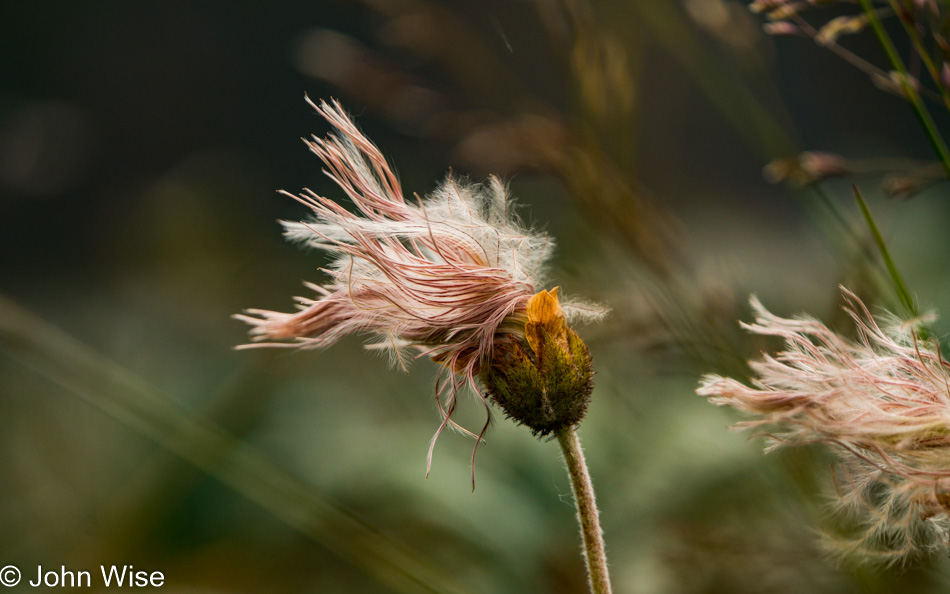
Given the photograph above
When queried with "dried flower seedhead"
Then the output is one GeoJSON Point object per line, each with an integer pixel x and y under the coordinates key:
{"type": "Point", "coordinates": [781, 28]}
{"type": "Point", "coordinates": [838, 26]}
{"type": "Point", "coordinates": [785, 10]}
{"type": "Point", "coordinates": [759, 6]}
{"type": "Point", "coordinates": [450, 277]}
{"type": "Point", "coordinates": [913, 179]}
{"type": "Point", "coordinates": [896, 83]}
{"type": "Point", "coordinates": [883, 404]}
{"type": "Point", "coordinates": [806, 168]}
{"type": "Point", "coordinates": [543, 380]}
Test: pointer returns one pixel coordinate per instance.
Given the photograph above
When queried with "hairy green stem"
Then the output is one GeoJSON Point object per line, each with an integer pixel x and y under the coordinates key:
{"type": "Point", "coordinates": [587, 515]}
{"type": "Point", "coordinates": [920, 110]}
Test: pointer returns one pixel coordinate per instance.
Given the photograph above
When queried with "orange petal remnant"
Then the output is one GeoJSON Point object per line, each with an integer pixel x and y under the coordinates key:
{"type": "Point", "coordinates": [545, 316]}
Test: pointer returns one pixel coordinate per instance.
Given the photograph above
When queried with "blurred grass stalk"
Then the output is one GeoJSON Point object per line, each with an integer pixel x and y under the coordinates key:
{"type": "Point", "coordinates": [130, 400]}
{"type": "Point", "coordinates": [921, 50]}
{"type": "Point", "coordinates": [899, 286]}
{"type": "Point", "coordinates": [754, 123]}
{"type": "Point", "coordinates": [909, 90]}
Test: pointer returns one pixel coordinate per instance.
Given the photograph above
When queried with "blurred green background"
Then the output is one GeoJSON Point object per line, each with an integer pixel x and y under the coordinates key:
{"type": "Point", "coordinates": [141, 147]}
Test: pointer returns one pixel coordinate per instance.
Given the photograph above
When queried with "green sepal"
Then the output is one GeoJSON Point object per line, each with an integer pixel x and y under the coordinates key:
{"type": "Point", "coordinates": [544, 391]}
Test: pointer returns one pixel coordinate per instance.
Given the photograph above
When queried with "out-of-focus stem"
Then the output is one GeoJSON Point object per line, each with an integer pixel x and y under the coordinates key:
{"type": "Point", "coordinates": [131, 401]}
{"type": "Point", "coordinates": [930, 128]}
{"type": "Point", "coordinates": [587, 514]}
{"type": "Point", "coordinates": [749, 117]}
{"type": "Point", "coordinates": [922, 52]}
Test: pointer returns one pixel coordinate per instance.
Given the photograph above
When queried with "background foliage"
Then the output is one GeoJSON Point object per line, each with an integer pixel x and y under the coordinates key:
{"type": "Point", "coordinates": [141, 145]}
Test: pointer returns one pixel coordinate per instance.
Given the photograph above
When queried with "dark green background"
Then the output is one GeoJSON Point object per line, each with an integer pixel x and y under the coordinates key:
{"type": "Point", "coordinates": [141, 147]}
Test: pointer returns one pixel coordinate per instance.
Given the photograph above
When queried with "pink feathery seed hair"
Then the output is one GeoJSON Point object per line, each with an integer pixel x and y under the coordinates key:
{"type": "Point", "coordinates": [882, 402]}
{"type": "Point", "coordinates": [442, 276]}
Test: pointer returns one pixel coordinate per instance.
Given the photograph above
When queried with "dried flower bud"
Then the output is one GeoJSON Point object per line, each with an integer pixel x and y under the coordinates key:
{"type": "Point", "coordinates": [806, 168]}
{"type": "Point", "coordinates": [545, 379]}
{"type": "Point", "coordinates": [896, 83]}
{"type": "Point", "coordinates": [785, 11]}
{"type": "Point", "coordinates": [843, 25]}
{"type": "Point", "coordinates": [759, 6]}
{"type": "Point", "coordinates": [905, 184]}
{"type": "Point", "coordinates": [781, 28]}
{"type": "Point", "coordinates": [902, 186]}
{"type": "Point", "coordinates": [942, 44]}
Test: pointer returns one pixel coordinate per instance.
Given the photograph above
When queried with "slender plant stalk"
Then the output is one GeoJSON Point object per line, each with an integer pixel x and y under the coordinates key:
{"type": "Point", "coordinates": [750, 119]}
{"type": "Point", "coordinates": [587, 515]}
{"type": "Point", "coordinates": [920, 110]}
{"type": "Point", "coordinates": [922, 52]}
{"type": "Point", "coordinates": [899, 284]}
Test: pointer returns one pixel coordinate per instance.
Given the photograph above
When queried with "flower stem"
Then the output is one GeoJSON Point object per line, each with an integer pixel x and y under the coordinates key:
{"type": "Point", "coordinates": [587, 515]}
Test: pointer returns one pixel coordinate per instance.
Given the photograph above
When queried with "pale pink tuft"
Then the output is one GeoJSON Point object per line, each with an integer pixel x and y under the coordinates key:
{"type": "Point", "coordinates": [439, 277]}
{"type": "Point", "coordinates": [882, 402]}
